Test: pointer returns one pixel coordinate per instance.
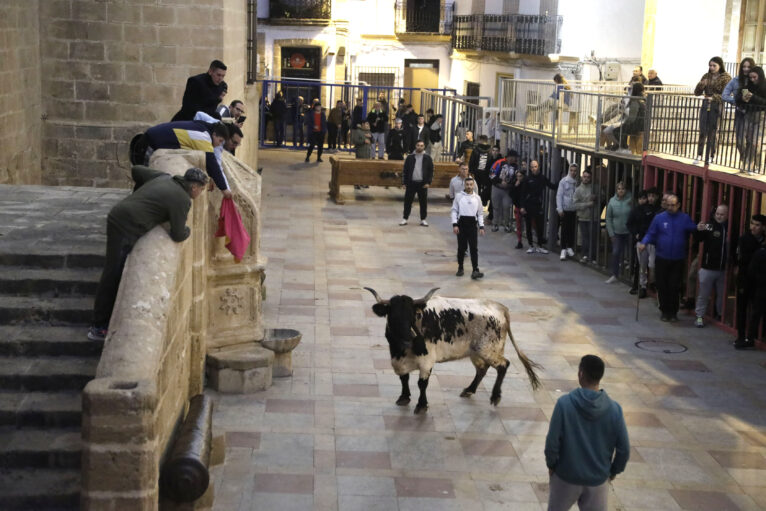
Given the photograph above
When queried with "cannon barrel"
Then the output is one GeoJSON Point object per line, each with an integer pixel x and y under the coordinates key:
{"type": "Point", "coordinates": [185, 475]}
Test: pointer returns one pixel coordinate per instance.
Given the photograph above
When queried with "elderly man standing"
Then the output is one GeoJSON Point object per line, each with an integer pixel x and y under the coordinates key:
{"type": "Point", "coordinates": [467, 214]}
{"type": "Point", "coordinates": [203, 92]}
{"type": "Point", "coordinates": [157, 198]}
{"type": "Point", "coordinates": [669, 232]}
{"type": "Point", "coordinates": [715, 255]}
{"type": "Point", "coordinates": [416, 178]}
{"type": "Point", "coordinates": [587, 443]}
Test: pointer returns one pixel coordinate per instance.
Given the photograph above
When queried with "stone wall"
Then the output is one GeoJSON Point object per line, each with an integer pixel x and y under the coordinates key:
{"type": "Point", "coordinates": [114, 68]}
{"type": "Point", "coordinates": [20, 112]}
{"type": "Point", "coordinates": [176, 300]}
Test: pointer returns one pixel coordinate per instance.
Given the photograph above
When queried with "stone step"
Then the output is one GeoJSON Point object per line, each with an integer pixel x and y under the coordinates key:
{"type": "Point", "coordinates": [91, 259]}
{"type": "Point", "coordinates": [49, 282]}
{"type": "Point", "coordinates": [54, 311]}
{"type": "Point", "coordinates": [40, 489]}
{"type": "Point", "coordinates": [41, 409]}
{"type": "Point", "coordinates": [41, 340]}
{"type": "Point", "coordinates": [40, 448]}
{"type": "Point", "coordinates": [46, 373]}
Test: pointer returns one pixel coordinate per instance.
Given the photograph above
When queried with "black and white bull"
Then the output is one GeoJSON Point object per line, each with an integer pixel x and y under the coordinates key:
{"type": "Point", "coordinates": [422, 332]}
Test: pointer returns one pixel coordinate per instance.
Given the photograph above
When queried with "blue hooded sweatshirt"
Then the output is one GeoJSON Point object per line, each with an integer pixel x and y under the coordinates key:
{"type": "Point", "coordinates": [586, 429]}
{"type": "Point", "coordinates": [670, 233]}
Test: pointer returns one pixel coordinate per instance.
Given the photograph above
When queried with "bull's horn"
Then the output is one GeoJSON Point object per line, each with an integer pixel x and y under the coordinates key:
{"type": "Point", "coordinates": [427, 297]}
{"type": "Point", "coordinates": [375, 294]}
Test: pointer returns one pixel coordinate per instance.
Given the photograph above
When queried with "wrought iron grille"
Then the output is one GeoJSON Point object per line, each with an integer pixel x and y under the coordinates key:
{"type": "Point", "coordinates": [517, 33]}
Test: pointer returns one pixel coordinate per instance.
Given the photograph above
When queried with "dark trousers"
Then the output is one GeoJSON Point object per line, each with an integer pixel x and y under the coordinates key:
{"type": "Point", "coordinates": [298, 132]}
{"type": "Point", "coordinates": [568, 223]}
{"type": "Point", "coordinates": [668, 273]}
{"type": "Point", "coordinates": [710, 112]}
{"type": "Point", "coordinates": [118, 246]}
{"type": "Point", "coordinates": [279, 131]}
{"type": "Point", "coordinates": [467, 236]}
{"type": "Point", "coordinates": [332, 136]}
{"type": "Point", "coordinates": [757, 311]}
{"type": "Point", "coordinates": [743, 300]}
{"type": "Point", "coordinates": [315, 139]}
{"type": "Point", "coordinates": [416, 187]}
{"type": "Point", "coordinates": [535, 218]}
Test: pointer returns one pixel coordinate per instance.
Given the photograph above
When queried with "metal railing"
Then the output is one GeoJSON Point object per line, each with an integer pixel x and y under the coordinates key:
{"type": "Point", "coordinates": [516, 33]}
{"type": "Point", "coordinates": [300, 9]}
{"type": "Point", "coordinates": [458, 117]}
{"type": "Point", "coordinates": [528, 104]}
{"type": "Point", "coordinates": [422, 17]}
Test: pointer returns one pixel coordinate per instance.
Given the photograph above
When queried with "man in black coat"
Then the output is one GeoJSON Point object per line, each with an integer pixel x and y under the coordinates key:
{"type": "Point", "coordinates": [419, 133]}
{"type": "Point", "coordinates": [396, 144]}
{"type": "Point", "coordinates": [715, 255]}
{"type": "Point", "coordinates": [638, 223]}
{"type": "Point", "coordinates": [532, 191]}
{"type": "Point", "coordinates": [279, 116]}
{"type": "Point", "coordinates": [747, 245]}
{"type": "Point", "coordinates": [203, 93]}
{"type": "Point", "coordinates": [416, 178]}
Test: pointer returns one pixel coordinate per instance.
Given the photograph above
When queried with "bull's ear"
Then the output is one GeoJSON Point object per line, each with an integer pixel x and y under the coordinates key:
{"type": "Point", "coordinates": [381, 309]}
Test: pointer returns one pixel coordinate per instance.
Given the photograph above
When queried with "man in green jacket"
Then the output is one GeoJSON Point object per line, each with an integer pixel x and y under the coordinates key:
{"type": "Point", "coordinates": [157, 197]}
{"type": "Point", "coordinates": [587, 443]}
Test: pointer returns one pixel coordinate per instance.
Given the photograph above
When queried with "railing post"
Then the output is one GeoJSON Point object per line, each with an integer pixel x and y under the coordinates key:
{"type": "Point", "coordinates": [647, 122]}
{"type": "Point", "coordinates": [599, 120]}
{"type": "Point", "coordinates": [365, 94]}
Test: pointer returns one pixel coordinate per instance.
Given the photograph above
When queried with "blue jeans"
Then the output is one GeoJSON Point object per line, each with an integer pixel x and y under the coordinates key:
{"type": "Point", "coordinates": [619, 242]}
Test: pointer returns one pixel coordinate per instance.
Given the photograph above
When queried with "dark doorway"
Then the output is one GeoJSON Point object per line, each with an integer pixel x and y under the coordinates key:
{"type": "Point", "coordinates": [472, 91]}
{"type": "Point", "coordinates": [423, 15]}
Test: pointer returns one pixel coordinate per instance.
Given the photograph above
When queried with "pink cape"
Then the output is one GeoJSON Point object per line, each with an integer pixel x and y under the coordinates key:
{"type": "Point", "coordinates": [230, 225]}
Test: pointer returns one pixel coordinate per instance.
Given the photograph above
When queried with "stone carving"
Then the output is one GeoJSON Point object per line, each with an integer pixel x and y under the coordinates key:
{"type": "Point", "coordinates": [231, 301]}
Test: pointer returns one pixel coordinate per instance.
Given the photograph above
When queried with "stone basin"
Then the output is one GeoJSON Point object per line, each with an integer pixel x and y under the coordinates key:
{"type": "Point", "coordinates": [282, 341]}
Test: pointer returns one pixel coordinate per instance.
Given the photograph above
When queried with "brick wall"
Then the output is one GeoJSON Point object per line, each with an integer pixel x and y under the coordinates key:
{"type": "Point", "coordinates": [114, 68]}
{"type": "Point", "coordinates": [19, 92]}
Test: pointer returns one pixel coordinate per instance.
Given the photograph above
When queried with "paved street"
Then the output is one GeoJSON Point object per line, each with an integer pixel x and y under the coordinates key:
{"type": "Point", "coordinates": [331, 438]}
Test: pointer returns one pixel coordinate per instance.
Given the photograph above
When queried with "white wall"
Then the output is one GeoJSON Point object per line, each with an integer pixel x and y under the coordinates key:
{"type": "Point", "coordinates": [613, 28]}
{"type": "Point", "coordinates": [688, 33]}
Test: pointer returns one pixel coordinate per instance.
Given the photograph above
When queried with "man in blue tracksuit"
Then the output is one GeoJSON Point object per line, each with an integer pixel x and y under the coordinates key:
{"type": "Point", "coordinates": [669, 233]}
{"type": "Point", "coordinates": [587, 443]}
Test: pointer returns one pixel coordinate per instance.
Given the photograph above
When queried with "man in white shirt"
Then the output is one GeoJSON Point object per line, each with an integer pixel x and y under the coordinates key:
{"type": "Point", "coordinates": [467, 215]}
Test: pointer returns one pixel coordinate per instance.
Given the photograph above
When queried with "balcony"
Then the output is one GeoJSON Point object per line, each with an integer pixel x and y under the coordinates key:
{"type": "Point", "coordinates": [422, 18]}
{"type": "Point", "coordinates": [510, 33]}
{"type": "Point", "coordinates": [294, 12]}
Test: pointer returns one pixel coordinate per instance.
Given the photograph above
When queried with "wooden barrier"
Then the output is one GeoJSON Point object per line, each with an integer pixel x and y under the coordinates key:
{"type": "Point", "coordinates": [350, 171]}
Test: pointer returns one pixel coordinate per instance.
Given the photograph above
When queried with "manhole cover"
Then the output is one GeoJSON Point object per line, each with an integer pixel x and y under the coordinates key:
{"type": "Point", "coordinates": [437, 253]}
{"type": "Point", "coordinates": [661, 346]}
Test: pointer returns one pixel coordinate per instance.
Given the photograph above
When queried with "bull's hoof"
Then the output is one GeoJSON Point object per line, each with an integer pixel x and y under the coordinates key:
{"type": "Point", "coordinates": [466, 393]}
{"type": "Point", "coordinates": [494, 400]}
{"type": "Point", "coordinates": [403, 400]}
{"type": "Point", "coordinates": [420, 408]}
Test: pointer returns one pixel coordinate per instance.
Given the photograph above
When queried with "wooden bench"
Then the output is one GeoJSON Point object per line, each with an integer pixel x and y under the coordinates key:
{"type": "Point", "coordinates": [350, 171]}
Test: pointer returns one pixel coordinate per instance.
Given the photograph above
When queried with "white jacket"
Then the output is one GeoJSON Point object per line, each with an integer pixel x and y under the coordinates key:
{"type": "Point", "coordinates": [467, 205]}
{"type": "Point", "coordinates": [565, 194]}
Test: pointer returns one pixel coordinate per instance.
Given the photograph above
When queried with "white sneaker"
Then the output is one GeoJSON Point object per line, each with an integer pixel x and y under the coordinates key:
{"type": "Point", "coordinates": [541, 250]}
{"type": "Point", "coordinates": [424, 223]}
{"type": "Point", "coordinates": [570, 252]}
{"type": "Point", "coordinates": [563, 255]}
{"type": "Point", "coordinates": [584, 259]}
{"type": "Point", "coordinates": [531, 250]}
{"type": "Point", "coordinates": [611, 280]}
{"type": "Point", "coordinates": [697, 160]}
{"type": "Point", "coordinates": [403, 222]}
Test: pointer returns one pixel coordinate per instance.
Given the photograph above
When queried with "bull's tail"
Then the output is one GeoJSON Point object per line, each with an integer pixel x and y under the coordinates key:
{"type": "Point", "coordinates": [529, 366]}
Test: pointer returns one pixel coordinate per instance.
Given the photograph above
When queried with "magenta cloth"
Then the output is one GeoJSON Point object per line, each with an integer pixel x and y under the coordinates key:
{"type": "Point", "coordinates": [230, 225]}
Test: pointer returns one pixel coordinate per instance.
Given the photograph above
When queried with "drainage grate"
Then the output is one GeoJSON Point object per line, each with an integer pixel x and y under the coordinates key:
{"type": "Point", "coordinates": [661, 346]}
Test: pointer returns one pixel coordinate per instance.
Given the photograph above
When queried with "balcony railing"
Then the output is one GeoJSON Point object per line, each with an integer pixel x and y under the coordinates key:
{"type": "Point", "coordinates": [300, 9]}
{"type": "Point", "coordinates": [670, 123]}
{"type": "Point", "coordinates": [422, 17]}
{"type": "Point", "coordinates": [515, 33]}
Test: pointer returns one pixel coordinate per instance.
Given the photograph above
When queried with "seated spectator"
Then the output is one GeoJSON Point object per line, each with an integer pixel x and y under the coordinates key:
{"type": "Point", "coordinates": [194, 136]}
{"type": "Point", "coordinates": [653, 79]}
{"type": "Point", "coordinates": [157, 198]}
{"type": "Point", "coordinates": [715, 255]}
{"type": "Point", "coordinates": [631, 122]}
{"type": "Point", "coordinates": [617, 213]}
{"type": "Point", "coordinates": [752, 98]}
{"type": "Point", "coordinates": [396, 146]}
{"type": "Point", "coordinates": [235, 110]}
{"type": "Point", "coordinates": [457, 183]}
{"type": "Point", "coordinates": [203, 92]}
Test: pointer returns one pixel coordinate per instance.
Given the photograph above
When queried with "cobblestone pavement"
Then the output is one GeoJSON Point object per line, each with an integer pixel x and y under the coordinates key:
{"type": "Point", "coordinates": [330, 437]}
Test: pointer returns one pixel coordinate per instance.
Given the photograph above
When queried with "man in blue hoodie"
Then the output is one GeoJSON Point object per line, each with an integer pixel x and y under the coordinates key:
{"type": "Point", "coordinates": [669, 232]}
{"type": "Point", "coordinates": [587, 443]}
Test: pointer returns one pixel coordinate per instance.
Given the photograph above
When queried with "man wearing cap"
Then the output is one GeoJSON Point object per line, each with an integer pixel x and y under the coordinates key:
{"type": "Point", "coordinates": [467, 214]}
{"type": "Point", "coordinates": [157, 198]}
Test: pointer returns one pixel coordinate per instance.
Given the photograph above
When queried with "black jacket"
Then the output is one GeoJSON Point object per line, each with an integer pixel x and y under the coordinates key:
{"type": "Point", "coordinates": [746, 247]}
{"type": "Point", "coordinates": [640, 219]}
{"type": "Point", "coordinates": [357, 116]}
{"type": "Point", "coordinates": [278, 109]}
{"type": "Point", "coordinates": [377, 121]}
{"type": "Point", "coordinates": [201, 95]}
{"type": "Point", "coordinates": [464, 146]}
{"type": "Point", "coordinates": [425, 136]}
{"type": "Point", "coordinates": [409, 167]}
{"type": "Point", "coordinates": [716, 249]}
{"type": "Point", "coordinates": [473, 164]}
{"type": "Point", "coordinates": [756, 275]}
{"type": "Point", "coordinates": [532, 192]}
{"type": "Point", "coordinates": [396, 144]}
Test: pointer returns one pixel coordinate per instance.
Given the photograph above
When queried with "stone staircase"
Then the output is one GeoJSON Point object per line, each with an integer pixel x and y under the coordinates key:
{"type": "Point", "coordinates": [51, 255]}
